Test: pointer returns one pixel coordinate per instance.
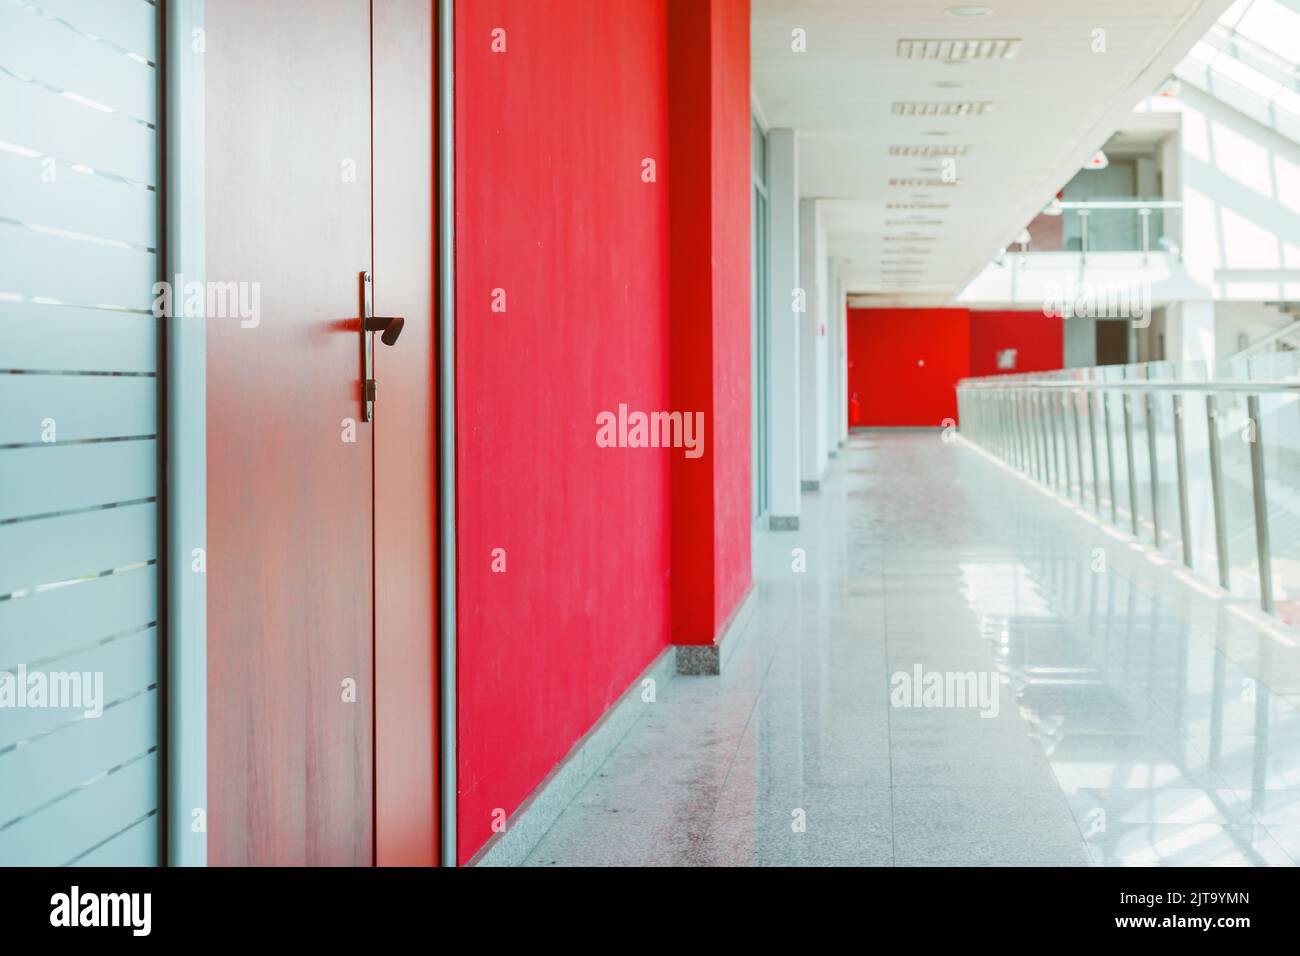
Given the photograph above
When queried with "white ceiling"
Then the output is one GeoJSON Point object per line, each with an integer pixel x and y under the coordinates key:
{"type": "Point", "coordinates": [1053, 105]}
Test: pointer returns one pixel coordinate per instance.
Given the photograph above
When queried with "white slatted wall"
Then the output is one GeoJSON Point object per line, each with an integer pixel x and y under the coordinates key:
{"type": "Point", "coordinates": [79, 426]}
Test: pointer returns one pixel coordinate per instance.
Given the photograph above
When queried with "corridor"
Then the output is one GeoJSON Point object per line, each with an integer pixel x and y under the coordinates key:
{"type": "Point", "coordinates": [1139, 717]}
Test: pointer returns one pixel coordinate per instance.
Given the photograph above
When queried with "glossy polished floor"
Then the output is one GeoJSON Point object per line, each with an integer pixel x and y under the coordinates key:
{"type": "Point", "coordinates": [1139, 717]}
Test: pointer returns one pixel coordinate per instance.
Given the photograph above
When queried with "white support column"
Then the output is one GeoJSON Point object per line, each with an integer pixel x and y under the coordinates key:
{"type": "Point", "coordinates": [844, 359]}
{"type": "Point", "coordinates": [783, 443]}
{"type": "Point", "coordinates": [832, 358]}
{"type": "Point", "coordinates": [812, 341]}
{"type": "Point", "coordinates": [1189, 332]}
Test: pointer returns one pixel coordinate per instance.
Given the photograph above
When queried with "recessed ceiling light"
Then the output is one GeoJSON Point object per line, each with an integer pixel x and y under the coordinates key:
{"type": "Point", "coordinates": [969, 11]}
{"type": "Point", "coordinates": [948, 84]}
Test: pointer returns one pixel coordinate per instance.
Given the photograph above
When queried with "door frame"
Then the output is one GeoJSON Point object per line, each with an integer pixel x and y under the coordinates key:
{"type": "Point", "coordinates": [185, 606]}
{"type": "Point", "coordinates": [184, 609]}
{"type": "Point", "coordinates": [445, 203]}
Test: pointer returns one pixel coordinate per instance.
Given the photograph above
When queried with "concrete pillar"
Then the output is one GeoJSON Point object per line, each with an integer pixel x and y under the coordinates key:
{"type": "Point", "coordinates": [783, 443]}
{"type": "Point", "coordinates": [812, 342]}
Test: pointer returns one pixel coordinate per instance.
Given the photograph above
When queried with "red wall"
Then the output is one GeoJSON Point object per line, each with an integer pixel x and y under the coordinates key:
{"type": "Point", "coordinates": [551, 207]}
{"type": "Point", "coordinates": [732, 484]}
{"type": "Point", "coordinates": [1039, 341]}
{"type": "Point", "coordinates": [617, 291]}
{"type": "Point", "coordinates": [709, 183]}
{"type": "Point", "coordinates": [905, 363]}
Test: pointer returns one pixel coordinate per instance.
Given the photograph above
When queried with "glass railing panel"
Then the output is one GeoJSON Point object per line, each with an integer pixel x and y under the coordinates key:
{"type": "Point", "coordinates": [1272, 366]}
{"type": "Point", "coordinates": [1279, 434]}
{"type": "Point", "coordinates": [1200, 491]}
{"type": "Point", "coordinates": [1099, 446]}
{"type": "Point", "coordinates": [1079, 425]}
{"type": "Point", "coordinates": [1138, 450]}
{"type": "Point", "coordinates": [1165, 475]}
{"type": "Point", "coordinates": [1138, 445]}
{"type": "Point", "coordinates": [1112, 420]}
{"type": "Point", "coordinates": [1234, 436]}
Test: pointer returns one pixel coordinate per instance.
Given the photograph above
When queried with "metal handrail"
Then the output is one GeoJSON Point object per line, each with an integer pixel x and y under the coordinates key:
{"type": "Point", "coordinates": [1246, 386]}
{"type": "Point", "coordinates": [1121, 204]}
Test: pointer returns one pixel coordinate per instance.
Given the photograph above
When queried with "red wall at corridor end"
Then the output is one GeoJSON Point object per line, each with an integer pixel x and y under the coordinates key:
{"type": "Point", "coordinates": [904, 364]}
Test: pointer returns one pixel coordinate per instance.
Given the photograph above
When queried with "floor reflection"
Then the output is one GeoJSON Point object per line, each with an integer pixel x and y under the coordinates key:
{"type": "Point", "coordinates": [1143, 720]}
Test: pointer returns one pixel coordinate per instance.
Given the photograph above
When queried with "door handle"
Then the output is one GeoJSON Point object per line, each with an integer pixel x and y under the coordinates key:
{"type": "Point", "coordinates": [391, 326]}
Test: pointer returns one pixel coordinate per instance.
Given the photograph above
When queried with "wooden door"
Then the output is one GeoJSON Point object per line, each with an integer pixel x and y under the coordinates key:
{"type": "Point", "coordinates": [290, 493]}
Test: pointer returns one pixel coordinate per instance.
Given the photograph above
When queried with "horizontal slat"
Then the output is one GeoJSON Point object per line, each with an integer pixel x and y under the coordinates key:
{"type": "Point", "coordinates": [34, 46]}
{"type": "Point", "coordinates": [32, 776]}
{"type": "Point", "coordinates": [64, 830]}
{"type": "Point", "coordinates": [61, 549]}
{"type": "Point", "coordinates": [35, 118]}
{"type": "Point", "coordinates": [130, 24]}
{"type": "Point", "coordinates": [74, 271]}
{"type": "Point", "coordinates": [67, 339]}
{"type": "Point", "coordinates": [136, 847]}
{"type": "Point", "coordinates": [44, 479]}
{"type": "Point", "coordinates": [128, 665]}
{"type": "Point", "coordinates": [77, 202]}
{"type": "Point", "coordinates": [81, 406]}
{"type": "Point", "coordinates": [54, 622]}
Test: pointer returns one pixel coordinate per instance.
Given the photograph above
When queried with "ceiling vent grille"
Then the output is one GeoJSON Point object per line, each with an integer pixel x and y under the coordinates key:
{"type": "Point", "coordinates": [909, 238]}
{"type": "Point", "coordinates": [917, 205]}
{"type": "Point", "coordinates": [916, 182]}
{"type": "Point", "coordinates": [907, 223]}
{"type": "Point", "coordinates": [941, 107]}
{"type": "Point", "coordinates": [998, 48]}
{"type": "Point", "coordinates": [928, 150]}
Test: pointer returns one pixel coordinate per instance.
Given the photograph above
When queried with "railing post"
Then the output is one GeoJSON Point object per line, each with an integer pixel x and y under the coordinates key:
{"type": "Point", "coordinates": [1059, 404]}
{"type": "Point", "coordinates": [1013, 399]}
{"type": "Point", "coordinates": [1110, 459]}
{"type": "Point", "coordinates": [1092, 442]}
{"type": "Point", "coordinates": [1180, 454]}
{"type": "Point", "coordinates": [1155, 467]}
{"type": "Point", "coordinates": [1027, 435]}
{"type": "Point", "coordinates": [1042, 434]}
{"type": "Point", "coordinates": [1049, 422]}
{"type": "Point", "coordinates": [1000, 403]}
{"type": "Point", "coordinates": [1127, 402]}
{"type": "Point", "coordinates": [1216, 492]}
{"type": "Point", "coordinates": [1262, 547]}
{"type": "Point", "coordinates": [1145, 214]}
{"type": "Point", "coordinates": [1078, 437]}
{"type": "Point", "coordinates": [1004, 425]}
{"type": "Point", "coordinates": [1083, 235]}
